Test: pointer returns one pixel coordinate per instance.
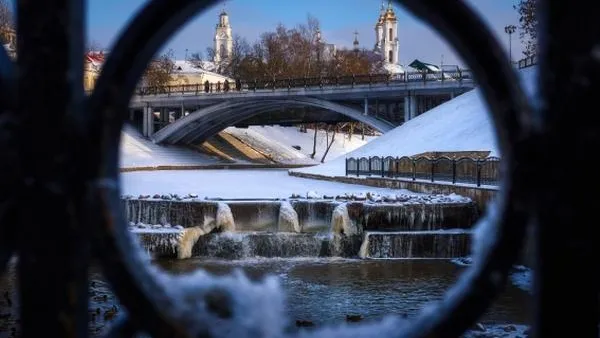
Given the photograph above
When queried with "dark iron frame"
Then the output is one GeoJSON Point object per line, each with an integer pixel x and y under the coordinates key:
{"type": "Point", "coordinates": [73, 186]}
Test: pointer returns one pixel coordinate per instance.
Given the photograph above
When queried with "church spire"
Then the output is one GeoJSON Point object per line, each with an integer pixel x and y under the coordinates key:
{"type": "Point", "coordinates": [356, 43]}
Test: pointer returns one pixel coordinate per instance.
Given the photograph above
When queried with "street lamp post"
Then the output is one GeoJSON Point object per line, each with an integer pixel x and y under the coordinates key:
{"type": "Point", "coordinates": [510, 29]}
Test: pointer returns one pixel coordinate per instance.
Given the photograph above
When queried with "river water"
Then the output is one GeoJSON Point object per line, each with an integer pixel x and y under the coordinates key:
{"type": "Point", "coordinates": [318, 290]}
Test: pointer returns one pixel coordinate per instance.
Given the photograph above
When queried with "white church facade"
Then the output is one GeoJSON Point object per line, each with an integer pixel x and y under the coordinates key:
{"type": "Point", "coordinates": [223, 40]}
{"type": "Point", "coordinates": [386, 34]}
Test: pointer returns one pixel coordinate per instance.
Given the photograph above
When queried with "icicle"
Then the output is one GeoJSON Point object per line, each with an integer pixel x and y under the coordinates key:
{"type": "Point", "coordinates": [190, 236]}
{"type": "Point", "coordinates": [341, 222]}
{"type": "Point", "coordinates": [225, 220]}
{"type": "Point", "coordinates": [187, 240]}
{"type": "Point", "coordinates": [364, 247]}
{"type": "Point", "coordinates": [288, 218]}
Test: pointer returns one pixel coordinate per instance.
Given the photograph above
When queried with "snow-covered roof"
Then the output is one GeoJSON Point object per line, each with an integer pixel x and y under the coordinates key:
{"type": "Point", "coordinates": [394, 68]}
{"type": "Point", "coordinates": [188, 67]}
{"type": "Point", "coordinates": [424, 66]}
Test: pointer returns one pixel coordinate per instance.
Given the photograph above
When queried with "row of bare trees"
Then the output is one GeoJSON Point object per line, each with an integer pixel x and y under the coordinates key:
{"type": "Point", "coordinates": [291, 53]}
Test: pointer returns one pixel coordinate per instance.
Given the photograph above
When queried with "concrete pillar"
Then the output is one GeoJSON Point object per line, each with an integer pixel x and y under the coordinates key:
{"type": "Point", "coordinates": [388, 114]}
{"type": "Point", "coordinates": [148, 122]}
{"type": "Point", "coordinates": [451, 95]}
{"type": "Point", "coordinates": [366, 107]}
{"type": "Point", "coordinates": [182, 113]}
{"type": "Point", "coordinates": [144, 122]}
{"type": "Point", "coordinates": [164, 115]}
{"type": "Point", "coordinates": [410, 107]}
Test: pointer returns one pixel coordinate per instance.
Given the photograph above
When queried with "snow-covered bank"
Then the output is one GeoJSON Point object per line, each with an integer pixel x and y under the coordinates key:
{"type": "Point", "coordinates": [274, 141]}
{"type": "Point", "coordinates": [267, 183]}
{"type": "Point", "coordinates": [278, 142]}
{"type": "Point", "coordinates": [461, 124]}
{"type": "Point", "coordinates": [137, 151]}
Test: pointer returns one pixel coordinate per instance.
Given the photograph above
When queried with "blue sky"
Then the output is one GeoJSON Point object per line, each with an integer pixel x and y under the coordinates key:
{"type": "Point", "coordinates": [338, 18]}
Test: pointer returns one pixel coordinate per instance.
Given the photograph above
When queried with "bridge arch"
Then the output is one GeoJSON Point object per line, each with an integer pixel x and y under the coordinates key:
{"type": "Point", "coordinates": [204, 123]}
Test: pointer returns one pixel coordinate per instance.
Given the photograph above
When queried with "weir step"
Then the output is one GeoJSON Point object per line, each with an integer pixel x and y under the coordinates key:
{"type": "Point", "coordinates": [416, 244]}
{"type": "Point", "coordinates": [371, 245]}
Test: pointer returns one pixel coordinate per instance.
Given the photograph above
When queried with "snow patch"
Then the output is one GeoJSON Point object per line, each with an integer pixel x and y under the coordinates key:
{"type": "Point", "coordinates": [137, 151]}
{"type": "Point", "coordinates": [201, 300]}
{"type": "Point", "coordinates": [278, 142]}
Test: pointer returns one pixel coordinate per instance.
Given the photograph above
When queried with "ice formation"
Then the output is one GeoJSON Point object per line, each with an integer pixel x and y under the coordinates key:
{"type": "Point", "coordinates": [225, 220]}
{"type": "Point", "coordinates": [288, 218]}
{"type": "Point", "coordinates": [341, 222]}
{"type": "Point", "coordinates": [187, 239]}
{"type": "Point", "coordinates": [364, 247]}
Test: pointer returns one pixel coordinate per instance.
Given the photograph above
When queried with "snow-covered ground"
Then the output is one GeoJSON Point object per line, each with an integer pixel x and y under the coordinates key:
{"type": "Point", "coordinates": [461, 124]}
{"type": "Point", "coordinates": [136, 151]}
{"type": "Point", "coordinates": [274, 141]}
{"type": "Point", "coordinates": [267, 183]}
{"type": "Point", "coordinates": [277, 142]}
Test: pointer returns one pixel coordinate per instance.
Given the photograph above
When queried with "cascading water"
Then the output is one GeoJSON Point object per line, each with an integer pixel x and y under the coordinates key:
{"type": "Point", "coordinates": [239, 245]}
{"type": "Point", "coordinates": [302, 228]}
{"type": "Point", "coordinates": [416, 244]}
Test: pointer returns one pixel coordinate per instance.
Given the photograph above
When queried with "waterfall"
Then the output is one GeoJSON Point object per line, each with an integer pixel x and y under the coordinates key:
{"type": "Point", "coordinates": [161, 242]}
{"type": "Point", "coordinates": [288, 218]}
{"type": "Point", "coordinates": [225, 220]}
{"type": "Point", "coordinates": [416, 244]}
{"type": "Point", "coordinates": [341, 222]}
{"type": "Point", "coordinates": [240, 245]}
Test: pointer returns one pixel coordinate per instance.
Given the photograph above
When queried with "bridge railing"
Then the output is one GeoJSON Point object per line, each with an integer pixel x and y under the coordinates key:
{"type": "Point", "coordinates": [442, 169]}
{"type": "Point", "coordinates": [309, 82]}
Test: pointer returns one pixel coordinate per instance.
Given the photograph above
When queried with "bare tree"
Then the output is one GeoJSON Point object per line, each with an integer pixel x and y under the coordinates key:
{"type": "Point", "coordinates": [314, 152]}
{"type": "Point", "coordinates": [6, 21]}
{"type": "Point", "coordinates": [528, 25]}
{"type": "Point", "coordinates": [240, 50]}
{"type": "Point", "coordinates": [328, 142]}
{"type": "Point", "coordinates": [160, 71]}
{"type": "Point", "coordinates": [210, 53]}
{"type": "Point", "coordinates": [196, 60]}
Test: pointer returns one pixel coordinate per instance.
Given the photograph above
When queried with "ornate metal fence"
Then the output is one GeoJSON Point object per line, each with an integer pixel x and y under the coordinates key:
{"type": "Point", "coordinates": [443, 169]}
{"type": "Point", "coordinates": [60, 205]}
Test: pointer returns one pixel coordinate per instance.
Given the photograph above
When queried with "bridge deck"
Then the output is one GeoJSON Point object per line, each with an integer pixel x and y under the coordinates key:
{"type": "Point", "coordinates": [391, 89]}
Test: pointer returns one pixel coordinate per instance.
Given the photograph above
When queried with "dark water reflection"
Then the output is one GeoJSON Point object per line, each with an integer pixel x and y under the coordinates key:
{"type": "Point", "coordinates": [326, 290]}
{"type": "Point", "coordinates": [319, 290]}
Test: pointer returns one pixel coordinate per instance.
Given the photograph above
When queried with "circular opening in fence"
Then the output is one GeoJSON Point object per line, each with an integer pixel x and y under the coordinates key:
{"type": "Point", "coordinates": [168, 300]}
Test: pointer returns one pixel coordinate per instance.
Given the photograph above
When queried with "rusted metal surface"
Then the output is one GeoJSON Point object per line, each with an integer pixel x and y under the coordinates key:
{"type": "Point", "coordinates": [61, 201]}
